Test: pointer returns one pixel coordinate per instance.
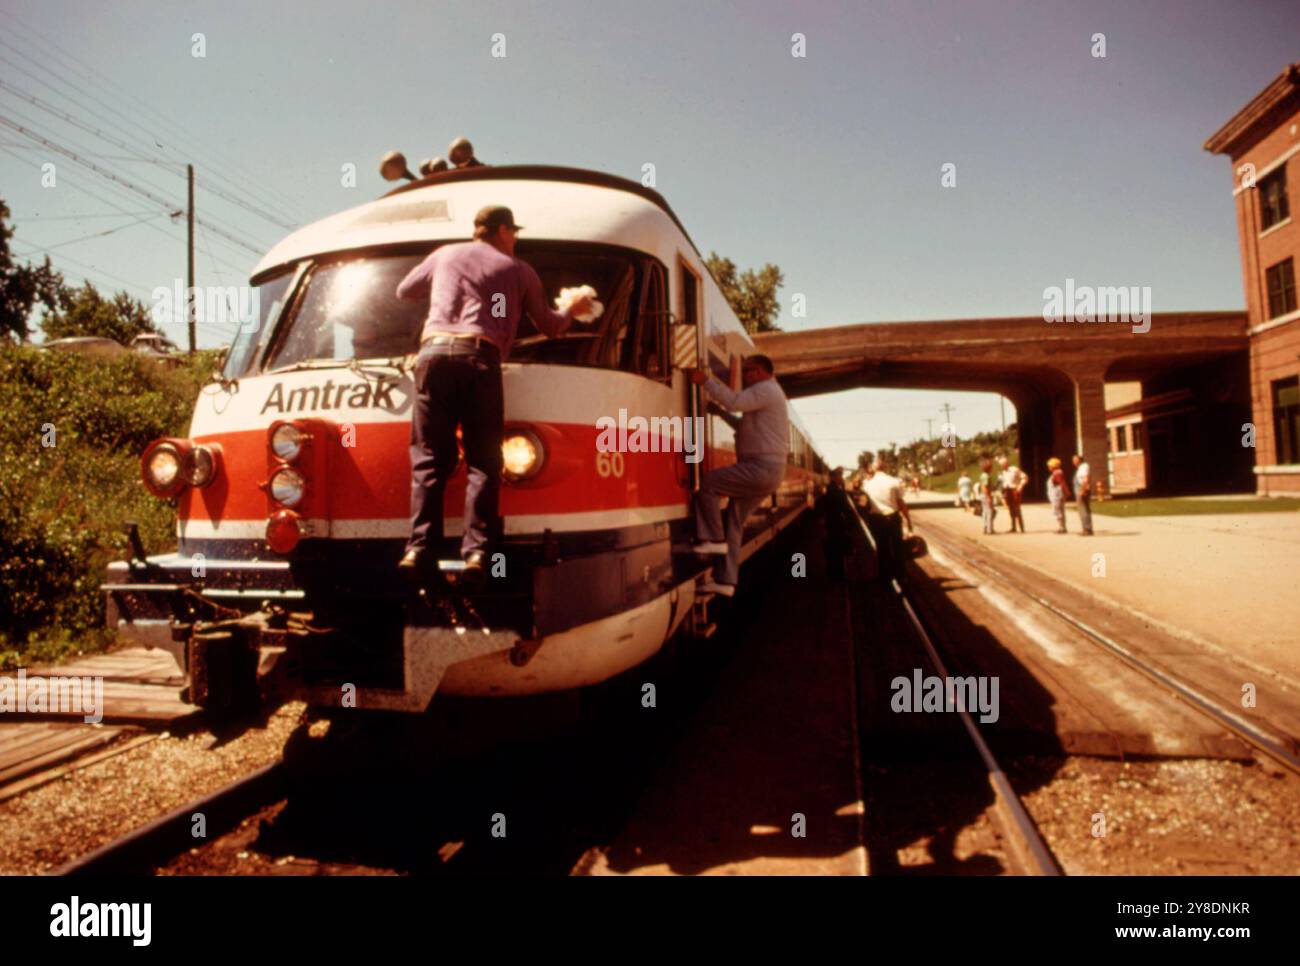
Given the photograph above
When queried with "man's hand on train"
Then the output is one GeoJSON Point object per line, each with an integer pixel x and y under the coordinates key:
{"type": "Point", "coordinates": [580, 306]}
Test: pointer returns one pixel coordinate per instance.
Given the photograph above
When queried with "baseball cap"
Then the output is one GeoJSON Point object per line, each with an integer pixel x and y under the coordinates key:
{"type": "Point", "coordinates": [495, 216]}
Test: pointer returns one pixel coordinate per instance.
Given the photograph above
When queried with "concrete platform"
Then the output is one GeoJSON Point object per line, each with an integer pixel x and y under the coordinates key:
{"type": "Point", "coordinates": [1229, 582]}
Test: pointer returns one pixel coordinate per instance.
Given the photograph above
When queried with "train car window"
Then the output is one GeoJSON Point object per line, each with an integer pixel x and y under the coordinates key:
{"type": "Point", "coordinates": [596, 343]}
{"type": "Point", "coordinates": [349, 310]}
{"type": "Point", "coordinates": [248, 339]}
{"type": "Point", "coordinates": [644, 350]}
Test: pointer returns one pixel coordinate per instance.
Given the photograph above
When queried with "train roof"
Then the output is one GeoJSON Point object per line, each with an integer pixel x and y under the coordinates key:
{"type": "Point", "coordinates": [551, 202]}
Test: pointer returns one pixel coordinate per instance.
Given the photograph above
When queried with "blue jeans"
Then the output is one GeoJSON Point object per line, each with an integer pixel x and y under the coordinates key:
{"type": "Point", "coordinates": [456, 385]}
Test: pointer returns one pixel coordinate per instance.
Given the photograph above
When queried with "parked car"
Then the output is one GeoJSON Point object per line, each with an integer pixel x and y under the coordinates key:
{"type": "Point", "coordinates": [88, 345]}
{"type": "Point", "coordinates": [154, 343]}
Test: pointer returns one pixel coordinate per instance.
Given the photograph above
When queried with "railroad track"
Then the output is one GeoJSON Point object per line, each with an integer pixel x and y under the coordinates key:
{"type": "Point", "coordinates": [1276, 747]}
{"type": "Point", "coordinates": [151, 845]}
{"type": "Point", "coordinates": [1029, 849]}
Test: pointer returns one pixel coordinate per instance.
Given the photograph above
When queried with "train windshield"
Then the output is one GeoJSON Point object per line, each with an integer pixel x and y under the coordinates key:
{"type": "Point", "coordinates": [348, 309]}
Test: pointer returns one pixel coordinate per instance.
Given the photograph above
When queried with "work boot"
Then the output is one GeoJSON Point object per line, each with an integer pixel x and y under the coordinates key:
{"type": "Point", "coordinates": [419, 567]}
{"type": "Point", "coordinates": [474, 577]}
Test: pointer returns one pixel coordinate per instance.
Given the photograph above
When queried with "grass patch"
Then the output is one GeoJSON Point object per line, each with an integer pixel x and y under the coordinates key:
{"type": "Point", "coordinates": [947, 482]}
{"type": "Point", "coordinates": [1188, 506]}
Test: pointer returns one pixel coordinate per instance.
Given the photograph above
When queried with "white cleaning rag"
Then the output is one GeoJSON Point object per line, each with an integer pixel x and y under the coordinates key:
{"type": "Point", "coordinates": [568, 296]}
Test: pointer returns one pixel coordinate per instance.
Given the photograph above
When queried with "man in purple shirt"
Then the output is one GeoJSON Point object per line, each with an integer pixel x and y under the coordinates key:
{"type": "Point", "coordinates": [477, 290]}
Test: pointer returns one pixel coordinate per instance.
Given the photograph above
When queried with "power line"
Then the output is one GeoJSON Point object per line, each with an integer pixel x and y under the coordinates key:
{"type": "Point", "coordinates": [162, 163]}
{"type": "Point", "coordinates": [85, 217]}
{"type": "Point", "coordinates": [28, 133]}
{"type": "Point", "coordinates": [68, 60]}
{"type": "Point", "coordinates": [99, 271]}
{"type": "Point", "coordinates": [171, 238]}
{"type": "Point", "coordinates": [64, 115]}
{"type": "Point", "coordinates": [100, 198]}
{"type": "Point", "coordinates": [103, 105]}
{"type": "Point", "coordinates": [98, 234]}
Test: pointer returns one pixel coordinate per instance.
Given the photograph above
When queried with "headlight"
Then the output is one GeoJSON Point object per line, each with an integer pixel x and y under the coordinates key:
{"type": "Point", "coordinates": [199, 466]}
{"type": "Point", "coordinates": [287, 486]}
{"type": "Point", "coordinates": [521, 455]}
{"type": "Point", "coordinates": [287, 441]}
{"type": "Point", "coordinates": [162, 469]}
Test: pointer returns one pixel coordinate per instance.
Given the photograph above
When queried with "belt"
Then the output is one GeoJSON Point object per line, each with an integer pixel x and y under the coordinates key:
{"type": "Point", "coordinates": [450, 338]}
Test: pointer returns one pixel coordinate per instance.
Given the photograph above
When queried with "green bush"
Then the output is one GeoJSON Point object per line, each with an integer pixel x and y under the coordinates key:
{"type": "Point", "coordinates": [62, 506]}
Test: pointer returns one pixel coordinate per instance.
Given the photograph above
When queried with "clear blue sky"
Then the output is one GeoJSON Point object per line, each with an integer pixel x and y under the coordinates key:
{"type": "Point", "coordinates": [827, 165]}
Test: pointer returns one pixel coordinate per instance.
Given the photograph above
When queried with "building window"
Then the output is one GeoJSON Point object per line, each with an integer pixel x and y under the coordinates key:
{"type": "Point", "coordinates": [1280, 280]}
{"type": "Point", "coordinates": [1286, 419]}
{"type": "Point", "coordinates": [1136, 430]}
{"type": "Point", "coordinates": [1273, 205]}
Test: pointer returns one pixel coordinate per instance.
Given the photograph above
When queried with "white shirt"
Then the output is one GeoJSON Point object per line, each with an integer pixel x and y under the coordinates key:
{"type": "Point", "coordinates": [1082, 477]}
{"type": "Point", "coordinates": [1011, 478]}
{"type": "Point", "coordinates": [885, 493]}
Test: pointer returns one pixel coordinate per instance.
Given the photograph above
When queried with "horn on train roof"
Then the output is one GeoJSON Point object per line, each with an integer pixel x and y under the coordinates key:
{"type": "Point", "coordinates": [392, 166]}
{"type": "Point", "coordinates": [432, 166]}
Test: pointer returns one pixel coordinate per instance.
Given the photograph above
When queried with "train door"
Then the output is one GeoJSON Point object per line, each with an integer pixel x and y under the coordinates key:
{"type": "Point", "coordinates": [688, 317]}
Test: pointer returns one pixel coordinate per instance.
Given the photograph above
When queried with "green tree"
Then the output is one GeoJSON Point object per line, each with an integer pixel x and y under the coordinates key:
{"type": "Point", "coordinates": [752, 294]}
{"type": "Point", "coordinates": [84, 311]}
{"type": "Point", "coordinates": [22, 286]}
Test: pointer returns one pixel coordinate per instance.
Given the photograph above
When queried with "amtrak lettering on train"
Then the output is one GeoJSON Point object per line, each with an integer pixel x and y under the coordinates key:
{"type": "Point", "coordinates": [375, 393]}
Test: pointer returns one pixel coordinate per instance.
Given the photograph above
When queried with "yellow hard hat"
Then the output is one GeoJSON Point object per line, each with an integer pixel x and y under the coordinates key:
{"type": "Point", "coordinates": [1053, 464]}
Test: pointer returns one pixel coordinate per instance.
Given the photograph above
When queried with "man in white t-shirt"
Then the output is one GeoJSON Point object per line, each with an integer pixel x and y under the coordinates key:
{"type": "Point", "coordinates": [1013, 480]}
{"type": "Point", "coordinates": [1083, 494]}
{"type": "Point", "coordinates": [887, 511]}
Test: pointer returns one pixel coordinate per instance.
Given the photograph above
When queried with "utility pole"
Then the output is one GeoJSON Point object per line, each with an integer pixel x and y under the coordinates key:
{"type": "Point", "coordinates": [1002, 401]}
{"type": "Point", "coordinates": [189, 257]}
{"type": "Point", "coordinates": [929, 429]}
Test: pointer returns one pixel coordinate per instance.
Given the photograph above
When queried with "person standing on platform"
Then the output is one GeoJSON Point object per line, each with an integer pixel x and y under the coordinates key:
{"type": "Point", "coordinates": [1083, 493]}
{"type": "Point", "coordinates": [984, 490]}
{"type": "Point", "coordinates": [1058, 491]}
{"type": "Point", "coordinates": [1012, 481]}
{"type": "Point", "coordinates": [964, 484]}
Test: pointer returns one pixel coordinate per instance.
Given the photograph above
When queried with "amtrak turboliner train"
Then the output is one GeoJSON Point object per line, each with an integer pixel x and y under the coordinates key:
{"type": "Point", "coordinates": [292, 487]}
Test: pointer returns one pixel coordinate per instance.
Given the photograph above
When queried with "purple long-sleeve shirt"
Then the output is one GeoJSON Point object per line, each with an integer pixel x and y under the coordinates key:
{"type": "Point", "coordinates": [475, 289]}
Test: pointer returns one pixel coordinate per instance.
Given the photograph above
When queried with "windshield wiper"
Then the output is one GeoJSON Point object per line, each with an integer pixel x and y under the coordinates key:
{"type": "Point", "coordinates": [391, 362]}
{"type": "Point", "coordinates": [311, 364]}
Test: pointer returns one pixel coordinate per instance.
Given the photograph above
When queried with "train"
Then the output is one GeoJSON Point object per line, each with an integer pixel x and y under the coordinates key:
{"type": "Point", "coordinates": [292, 489]}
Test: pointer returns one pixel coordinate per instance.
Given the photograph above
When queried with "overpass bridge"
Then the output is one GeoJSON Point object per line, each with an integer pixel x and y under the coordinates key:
{"type": "Point", "coordinates": [1053, 373]}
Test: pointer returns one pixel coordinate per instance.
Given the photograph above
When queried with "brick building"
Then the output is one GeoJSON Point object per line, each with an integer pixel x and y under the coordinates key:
{"type": "Point", "coordinates": [1263, 142]}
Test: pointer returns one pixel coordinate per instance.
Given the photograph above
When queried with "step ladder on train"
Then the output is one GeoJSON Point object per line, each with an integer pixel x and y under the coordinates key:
{"type": "Point", "coordinates": [700, 624]}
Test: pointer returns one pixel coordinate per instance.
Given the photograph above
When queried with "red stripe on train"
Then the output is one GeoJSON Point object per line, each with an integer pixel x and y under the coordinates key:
{"type": "Point", "coordinates": [363, 472]}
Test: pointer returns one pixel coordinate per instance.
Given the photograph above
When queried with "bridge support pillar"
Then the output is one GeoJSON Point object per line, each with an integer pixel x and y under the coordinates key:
{"type": "Point", "coordinates": [1090, 426]}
